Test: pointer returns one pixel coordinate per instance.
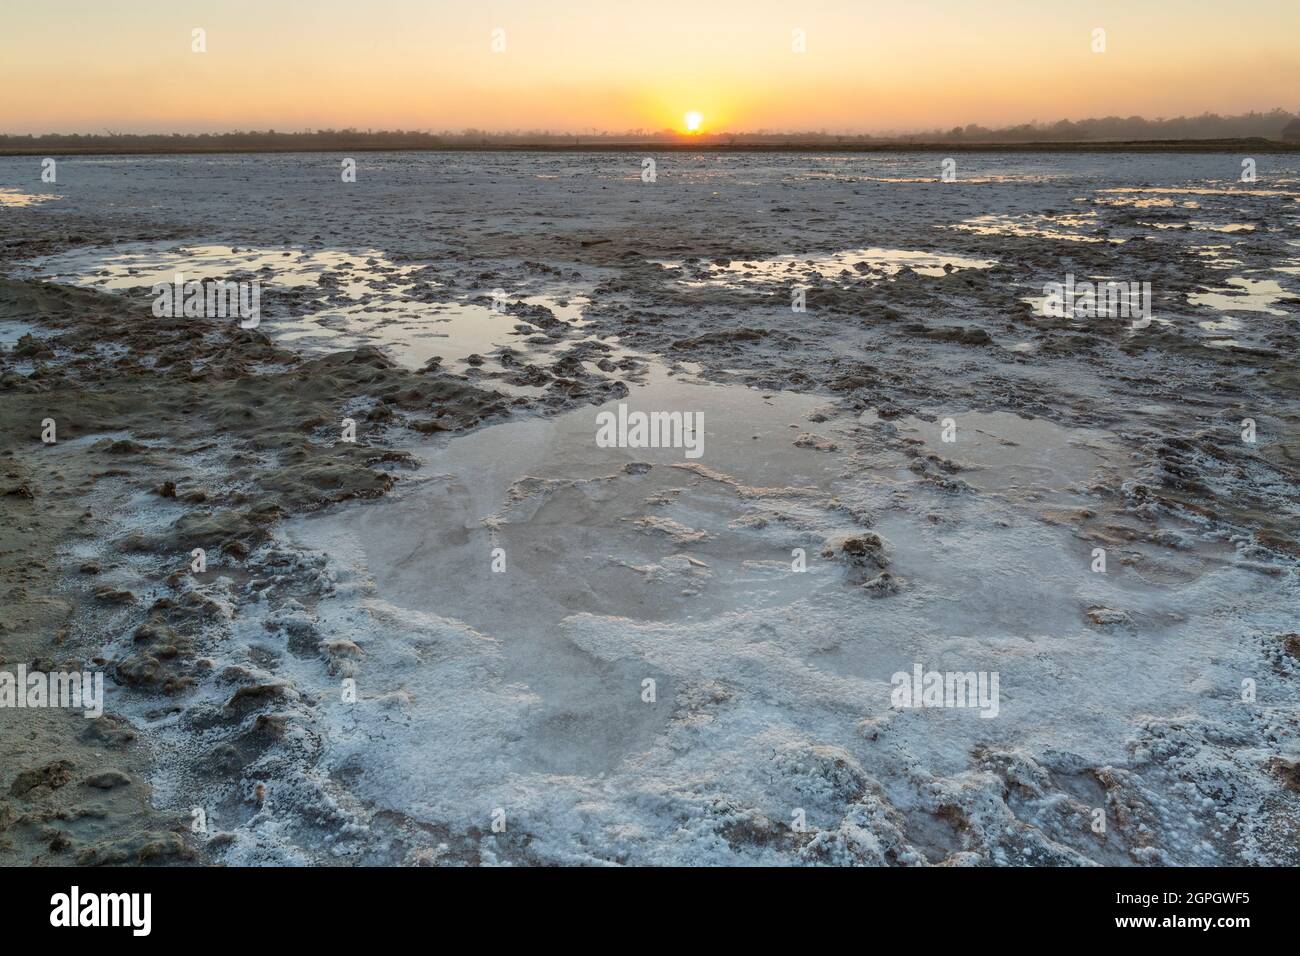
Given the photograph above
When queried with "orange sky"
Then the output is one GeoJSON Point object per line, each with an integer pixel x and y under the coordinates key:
{"type": "Point", "coordinates": [579, 65]}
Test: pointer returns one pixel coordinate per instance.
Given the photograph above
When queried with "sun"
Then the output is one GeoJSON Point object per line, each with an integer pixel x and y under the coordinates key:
{"type": "Point", "coordinates": [694, 120]}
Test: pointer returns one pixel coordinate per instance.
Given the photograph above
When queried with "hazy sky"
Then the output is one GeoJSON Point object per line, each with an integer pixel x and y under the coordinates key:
{"type": "Point", "coordinates": [870, 65]}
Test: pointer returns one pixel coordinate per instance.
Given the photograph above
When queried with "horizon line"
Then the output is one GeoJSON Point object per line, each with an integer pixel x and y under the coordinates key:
{"type": "Point", "coordinates": [1251, 124]}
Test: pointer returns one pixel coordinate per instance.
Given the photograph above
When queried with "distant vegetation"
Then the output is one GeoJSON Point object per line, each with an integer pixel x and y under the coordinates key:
{"type": "Point", "coordinates": [1271, 125]}
{"type": "Point", "coordinates": [1278, 125]}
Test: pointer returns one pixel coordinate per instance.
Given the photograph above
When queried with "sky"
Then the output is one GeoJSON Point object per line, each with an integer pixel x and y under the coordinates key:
{"type": "Point", "coordinates": [618, 65]}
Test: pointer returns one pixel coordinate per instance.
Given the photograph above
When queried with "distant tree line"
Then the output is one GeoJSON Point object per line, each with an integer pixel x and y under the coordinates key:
{"type": "Point", "coordinates": [1270, 125]}
{"type": "Point", "coordinates": [1277, 124]}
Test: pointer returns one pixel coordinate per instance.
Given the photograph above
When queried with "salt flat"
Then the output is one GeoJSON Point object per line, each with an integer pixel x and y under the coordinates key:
{"type": "Point", "coordinates": [476, 635]}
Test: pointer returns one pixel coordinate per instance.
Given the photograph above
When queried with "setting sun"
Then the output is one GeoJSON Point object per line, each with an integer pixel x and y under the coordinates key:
{"type": "Point", "coordinates": [693, 121]}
